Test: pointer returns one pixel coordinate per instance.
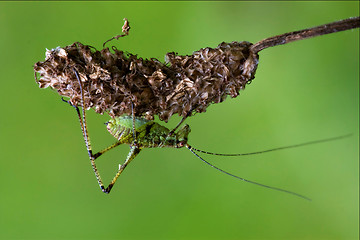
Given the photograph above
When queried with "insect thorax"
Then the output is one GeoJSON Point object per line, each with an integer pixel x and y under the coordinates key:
{"type": "Point", "coordinates": [149, 134]}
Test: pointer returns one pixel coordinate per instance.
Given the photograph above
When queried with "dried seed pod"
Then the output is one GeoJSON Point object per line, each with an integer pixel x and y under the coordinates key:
{"type": "Point", "coordinates": [112, 82]}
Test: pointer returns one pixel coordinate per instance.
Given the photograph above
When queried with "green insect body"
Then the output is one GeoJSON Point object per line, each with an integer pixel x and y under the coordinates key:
{"type": "Point", "coordinates": [139, 133]}
{"type": "Point", "coordinates": [148, 134]}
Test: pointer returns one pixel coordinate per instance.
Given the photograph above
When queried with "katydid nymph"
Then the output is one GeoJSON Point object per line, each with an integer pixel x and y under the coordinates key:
{"type": "Point", "coordinates": [140, 133]}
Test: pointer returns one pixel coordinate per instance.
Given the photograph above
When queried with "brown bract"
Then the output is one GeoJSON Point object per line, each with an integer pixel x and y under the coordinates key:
{"type": "Point", "coordinates": [113, 81]}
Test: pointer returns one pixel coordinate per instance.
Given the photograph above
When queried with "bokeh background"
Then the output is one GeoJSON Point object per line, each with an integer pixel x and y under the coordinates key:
{"type": "Point", "coordinates": [303, 91]}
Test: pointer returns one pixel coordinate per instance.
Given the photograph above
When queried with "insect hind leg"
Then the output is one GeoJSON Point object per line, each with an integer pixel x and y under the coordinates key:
{"type": "Point", "coordinates": [134, 150]}
{"type": "Point", "coordinates": [83, 125]}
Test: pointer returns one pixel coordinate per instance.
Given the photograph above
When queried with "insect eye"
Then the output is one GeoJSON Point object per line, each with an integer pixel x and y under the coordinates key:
{"type": "Point", "coordinates": [181, 144]}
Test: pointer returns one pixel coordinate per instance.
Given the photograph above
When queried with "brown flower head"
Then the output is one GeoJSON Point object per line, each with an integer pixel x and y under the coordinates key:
{"type": "Point", "coordinates": [113, 81]}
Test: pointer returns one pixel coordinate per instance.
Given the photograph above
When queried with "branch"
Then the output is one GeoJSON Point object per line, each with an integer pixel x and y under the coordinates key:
{"type": "Point", "coordinates": [346, 24]}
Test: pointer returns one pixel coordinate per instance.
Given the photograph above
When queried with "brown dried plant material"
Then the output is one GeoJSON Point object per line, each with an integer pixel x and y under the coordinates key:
{"type": "Point", "coordinates": [112, 82]}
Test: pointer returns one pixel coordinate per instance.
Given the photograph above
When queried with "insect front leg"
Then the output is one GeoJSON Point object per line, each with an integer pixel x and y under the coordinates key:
{"type": "Point", "coordinates": [176, 127]}
{"type": "Point", "coordinates": [134, 151]}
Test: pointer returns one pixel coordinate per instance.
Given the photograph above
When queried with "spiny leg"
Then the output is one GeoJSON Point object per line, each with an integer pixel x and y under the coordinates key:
{"type": "Point", "coordinates": [133, 151]}
{"type": "Point", "coordinates": [176, 127]}
{"type": "Point", "coordinates": [83, 125]}
{"type": "Point", "coordinates": [181, 121]}
{"type": "Point", "coordinates": [98, 154]}
{"type": "Point", "coordinates": [87, 143]}
{"type": "Point", "coordinates": [131, 155]}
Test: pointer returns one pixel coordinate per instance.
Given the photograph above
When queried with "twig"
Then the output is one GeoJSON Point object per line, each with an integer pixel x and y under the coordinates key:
{"type": "Point", "coordinates": [125, 30]}
{"type": "Point", "coordinates": [346, 24]}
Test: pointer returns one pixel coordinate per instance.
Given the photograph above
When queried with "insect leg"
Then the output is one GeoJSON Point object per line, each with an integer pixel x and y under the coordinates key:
{"type": "Point", "coordinates": [98, 154]}
{"type": "Point", "coordinates": [84, 130]}
{"type": "Point", "coordinates": [134, 151]}
{"type": "Point", "coordinates": [176, 127]}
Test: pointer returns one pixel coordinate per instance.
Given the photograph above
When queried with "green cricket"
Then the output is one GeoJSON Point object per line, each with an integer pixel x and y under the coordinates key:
{"type": "Point", "coordinates": [140, 133]}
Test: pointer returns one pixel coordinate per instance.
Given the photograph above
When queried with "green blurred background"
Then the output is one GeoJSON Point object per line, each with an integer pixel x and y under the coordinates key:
{"type": "Point", "coordinates": [303, 91]}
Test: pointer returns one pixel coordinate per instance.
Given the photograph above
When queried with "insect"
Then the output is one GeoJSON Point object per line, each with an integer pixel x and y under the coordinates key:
{"type": "Point", "coordinates": [140, 133]}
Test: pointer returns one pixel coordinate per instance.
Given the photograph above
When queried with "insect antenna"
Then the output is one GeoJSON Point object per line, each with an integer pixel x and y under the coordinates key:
{"type": "Point", "coordinates": [245, 180]}
{"type": "Point", "coordinates": [259, 152]}
{"type": "Point", "coordinates": [274, 149]}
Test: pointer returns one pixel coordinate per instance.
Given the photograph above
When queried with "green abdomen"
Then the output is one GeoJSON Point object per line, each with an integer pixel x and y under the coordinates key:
{"type": "Point", "coordinates": [148, 133]}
